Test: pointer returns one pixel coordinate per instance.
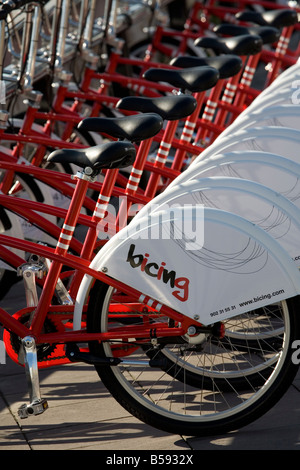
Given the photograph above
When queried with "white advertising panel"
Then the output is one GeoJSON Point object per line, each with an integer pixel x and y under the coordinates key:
{"type": "Point", "coordinates": [281, 141]}
{"type": "Point", "coordinates": [239, 267]}
{"type": "Point", "coordinates": [282, 115]}
{"type": "Point", "coordinates": [255, 202]}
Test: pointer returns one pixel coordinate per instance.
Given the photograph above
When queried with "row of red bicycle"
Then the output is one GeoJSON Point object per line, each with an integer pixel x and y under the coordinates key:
{"type": "Point", "coordinates": [79, 172]}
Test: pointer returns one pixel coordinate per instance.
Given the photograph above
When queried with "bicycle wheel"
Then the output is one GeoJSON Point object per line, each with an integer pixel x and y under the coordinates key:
{"type": "Point", "coordinates": [157, 398]}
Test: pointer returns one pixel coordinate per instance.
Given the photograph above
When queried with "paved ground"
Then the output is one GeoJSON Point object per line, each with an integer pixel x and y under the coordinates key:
{"type": "Point", "coordinates": [83, 416]}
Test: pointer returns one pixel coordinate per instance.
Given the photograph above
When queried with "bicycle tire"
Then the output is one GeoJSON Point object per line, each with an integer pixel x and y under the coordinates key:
{"type": "Point", "coordinates": [146, 393]}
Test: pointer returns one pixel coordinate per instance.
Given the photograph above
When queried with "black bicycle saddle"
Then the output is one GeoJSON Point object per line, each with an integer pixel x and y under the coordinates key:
{"type": "Point", "coordinates": [195, 79]}
{"type": "Point", "coordinates": [134, 128]}
{"type": "Point", "coordinates": [227, 66]}
{"type": "Point", "coordinates": [170, 108]}
{"type": "Point", "coordinates": [268, 34]}
{"type": "Point", "coordinates": [242, 45]}
{"type": "Point", "coordinates": [105, 156]}
{"type": "Point", "coordinates": [277, 18]}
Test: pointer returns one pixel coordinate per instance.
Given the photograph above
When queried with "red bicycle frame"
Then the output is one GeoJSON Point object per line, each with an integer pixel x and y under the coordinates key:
{"type": "Point", "coordinates": [60, 256]}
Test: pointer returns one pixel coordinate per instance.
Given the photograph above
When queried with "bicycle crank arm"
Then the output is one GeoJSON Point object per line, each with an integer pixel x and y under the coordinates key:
{"type": "Point", "coordinates": [37, 404]}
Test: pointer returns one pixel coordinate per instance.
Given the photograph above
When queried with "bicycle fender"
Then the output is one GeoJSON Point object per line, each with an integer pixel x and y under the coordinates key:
{"type": "Point", "coordinates": [249, 199]}
{"type": "Point", "coordinates": [271, 170]}
{"type": "Point", "coordinates": [280, 140]}
{"type": "Point", "coordinates": [283, 115]}
{"type": "Point", "coordinates": [236, 268]}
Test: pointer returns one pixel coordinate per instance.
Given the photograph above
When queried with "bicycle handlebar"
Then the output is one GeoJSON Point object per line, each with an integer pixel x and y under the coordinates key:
{"type": "Point", "coordinates": [10, 5]}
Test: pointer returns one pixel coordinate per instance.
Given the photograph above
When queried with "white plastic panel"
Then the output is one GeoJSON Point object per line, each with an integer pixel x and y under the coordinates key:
{"type": "Point", "coordinates": [240, 267]}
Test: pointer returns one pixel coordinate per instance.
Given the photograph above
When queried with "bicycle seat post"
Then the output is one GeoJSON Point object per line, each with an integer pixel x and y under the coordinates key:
{"type": "Point", "coordinates": [35, 17]}
{"type": "Point", "coordinates": [135, 177]}
{"type": "Point", "coordinates": [161, 157]}
{"type": "Point", "coordinates": [4, 115]}
{"type": "Point", "coordinates": [2, 49]}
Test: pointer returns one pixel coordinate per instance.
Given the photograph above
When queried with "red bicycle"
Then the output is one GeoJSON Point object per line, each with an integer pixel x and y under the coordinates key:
{"type": "Point", "coordinates": [144, 311]}
{"type": "Point", "coordinates": [146, 352]}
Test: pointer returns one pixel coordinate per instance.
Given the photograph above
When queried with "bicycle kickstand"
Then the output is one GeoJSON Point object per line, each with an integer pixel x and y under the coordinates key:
{"type": "Point", "coordinates": [37, 404]}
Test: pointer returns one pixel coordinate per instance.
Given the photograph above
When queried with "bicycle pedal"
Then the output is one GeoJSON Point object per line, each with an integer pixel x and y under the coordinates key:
{"type": "Point", "coordinates": [33, 409]}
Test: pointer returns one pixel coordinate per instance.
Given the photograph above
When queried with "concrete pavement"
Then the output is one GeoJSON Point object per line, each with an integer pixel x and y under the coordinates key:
{"type": "Point", "coordinates": [83, 416]}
